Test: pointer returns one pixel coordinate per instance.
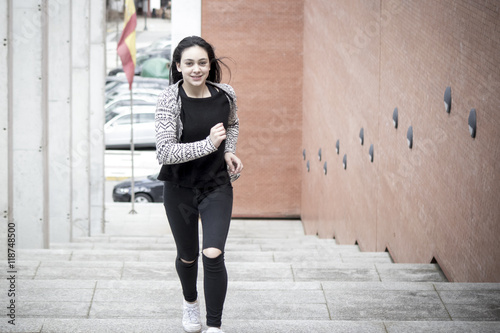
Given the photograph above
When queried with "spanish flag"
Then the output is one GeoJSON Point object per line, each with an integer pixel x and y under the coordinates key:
{"type": "Point", "coordinates": [126, 45]}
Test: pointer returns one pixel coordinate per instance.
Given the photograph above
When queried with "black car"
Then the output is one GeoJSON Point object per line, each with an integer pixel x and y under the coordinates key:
{"type": "Point", "coordinates": [148, 189]}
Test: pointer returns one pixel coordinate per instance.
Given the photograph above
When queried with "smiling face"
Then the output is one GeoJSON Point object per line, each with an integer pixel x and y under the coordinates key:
{"type": "Point", "coordinates": [194, 66]}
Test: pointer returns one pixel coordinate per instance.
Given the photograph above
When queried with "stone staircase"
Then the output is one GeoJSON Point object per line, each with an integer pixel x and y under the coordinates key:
{"type": "Point", "coordinates": [279, 281]}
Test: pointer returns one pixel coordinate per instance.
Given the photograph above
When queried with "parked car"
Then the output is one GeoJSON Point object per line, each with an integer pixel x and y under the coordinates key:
{"type": "Point", "coordinates": [160, 48]}
{"type": "Point", "coordinates": [157, 45]}
{"type": "Point", "coordinates": [152, 93]}
{"type": "Point", "coordinates": [147, 189]}
{"type": "Point", "coordinates": [115, 83]}
{"type": "Point", "coordinates": [156, 68]}
{"type": "Point", "coordinates": [117, 130]}
{"type": "Point", "coordinates": [122, 105]}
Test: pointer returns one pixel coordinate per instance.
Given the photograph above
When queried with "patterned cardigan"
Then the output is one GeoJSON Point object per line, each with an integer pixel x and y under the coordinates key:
{"type": "Point", "coordinates": [169, 127]}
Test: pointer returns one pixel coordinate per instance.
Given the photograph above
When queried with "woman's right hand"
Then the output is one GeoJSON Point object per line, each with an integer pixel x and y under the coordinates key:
{"type": "Point", "coordinates": [217, 134]}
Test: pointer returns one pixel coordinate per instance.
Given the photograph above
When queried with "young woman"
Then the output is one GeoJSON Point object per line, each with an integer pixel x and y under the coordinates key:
{"type": "Point", "coordinates": [196, 134]}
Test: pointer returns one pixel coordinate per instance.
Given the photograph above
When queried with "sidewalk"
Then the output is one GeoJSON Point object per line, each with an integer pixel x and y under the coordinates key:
{"type": "Point", "coordinates": [117, 164]}
{"type": "Point", "coordinates": [149, 221]}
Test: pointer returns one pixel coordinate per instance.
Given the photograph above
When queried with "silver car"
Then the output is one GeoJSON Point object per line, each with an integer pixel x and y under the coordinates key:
{"type": "Point", "coordinates": [122, 105]}
{"type": "Point", "coordinates": [117, 130]}
{"type": "Point", "coordinates": [152, 93]}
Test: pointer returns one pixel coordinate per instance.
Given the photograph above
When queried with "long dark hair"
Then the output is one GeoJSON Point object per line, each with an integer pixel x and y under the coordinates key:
{"type": "Point", "coordinates": [215, 74]}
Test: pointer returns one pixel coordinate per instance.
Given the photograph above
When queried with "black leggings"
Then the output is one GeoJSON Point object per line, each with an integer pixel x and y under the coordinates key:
{"type": "Point", "coordinates": [183, 207]}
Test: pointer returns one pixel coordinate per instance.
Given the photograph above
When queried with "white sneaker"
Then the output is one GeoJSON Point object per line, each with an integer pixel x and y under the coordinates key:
{"type": "Point", "coordinates": [213, 330]}
{"type": "Point", "coordinates": [191, 317]}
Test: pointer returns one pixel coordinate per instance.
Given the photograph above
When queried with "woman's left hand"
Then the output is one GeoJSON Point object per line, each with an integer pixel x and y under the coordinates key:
{"type": "Point", "coordinates": [234, 163]}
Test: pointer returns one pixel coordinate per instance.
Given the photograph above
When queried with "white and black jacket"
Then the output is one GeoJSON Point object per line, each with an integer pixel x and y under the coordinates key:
{"type": "Point", "coordinates": [169, 127]}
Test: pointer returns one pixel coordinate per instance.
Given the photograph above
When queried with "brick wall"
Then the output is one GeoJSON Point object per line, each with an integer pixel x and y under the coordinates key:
{"type": "Point", "coordinates": [309, 73]}
{"type": "Point", "coordinates": [440, 199]}
{"type": "Point", "coordinates": [264, 38]}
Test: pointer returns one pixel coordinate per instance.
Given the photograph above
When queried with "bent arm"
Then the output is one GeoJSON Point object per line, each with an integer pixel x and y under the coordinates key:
{"type": "Point", "coordinates": [233, 124]}
{"type": "Point", "coordinates": [168, 148]}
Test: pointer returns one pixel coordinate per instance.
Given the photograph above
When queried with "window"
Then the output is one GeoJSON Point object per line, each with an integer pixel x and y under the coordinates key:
{"type": "Point", "coordinates": [146, 117]}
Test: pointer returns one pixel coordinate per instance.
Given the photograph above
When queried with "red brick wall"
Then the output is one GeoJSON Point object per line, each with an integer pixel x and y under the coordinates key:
{"type": "Point", "coordinates": [440, 199]}
{"type": "Point", "coordinates": [340, 98]}
{"type": "Point", "coordinates": [309, 73]}
{"type": "Point", "coordinates": [264, 38]}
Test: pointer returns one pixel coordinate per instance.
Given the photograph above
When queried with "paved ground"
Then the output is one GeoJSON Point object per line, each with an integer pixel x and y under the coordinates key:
{"type": "Point", "coordinates": [279, 281]}
{"type": "Point", "coordinates": [118, 164]}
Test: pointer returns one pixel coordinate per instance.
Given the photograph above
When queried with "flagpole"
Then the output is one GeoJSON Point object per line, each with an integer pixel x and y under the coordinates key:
{"type": "Point", "coordinates": [126, 51]}
{"type": "Point", "coordinates": [146, 4]}
{"type": "Point", "coordinates": [132, 189]}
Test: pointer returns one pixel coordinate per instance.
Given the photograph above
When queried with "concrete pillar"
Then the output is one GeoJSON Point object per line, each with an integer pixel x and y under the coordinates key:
{"type": "Point", "coordinates": [80, 148]}
{"type": "Point", "coordinates": [97, 77]}
{"type": "Point", "coordinates": [52, 71]}
{"type": "Point", "coordinates": [27, 155]}
{"type": "Point", "coordinates": [4, 127]}
{"type": "Point", "coordinates": [186, 20]}
{"type": "Point", "coordinates": [59, 116]}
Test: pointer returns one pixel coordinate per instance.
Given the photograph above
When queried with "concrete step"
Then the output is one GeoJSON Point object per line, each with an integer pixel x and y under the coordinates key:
{"type": "Point", "coordinates": [239, 271]}
{"type": "Point", "coordinates": [232, 244]}
{"type": "Point", "coordinates": [305, 240]}
{"type": "Point", "coordinates": [154, 325]}
{"type": "Point", "coordinates": [243, 253]}
{"type": "Point", "coordinates": [271, 306]}
{"type": "Point", "coordinates": [278, 282]}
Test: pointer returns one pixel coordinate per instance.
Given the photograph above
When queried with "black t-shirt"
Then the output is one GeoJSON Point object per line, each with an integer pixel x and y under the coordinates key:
{"type": "Point", "coordinates": [198, 116]}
